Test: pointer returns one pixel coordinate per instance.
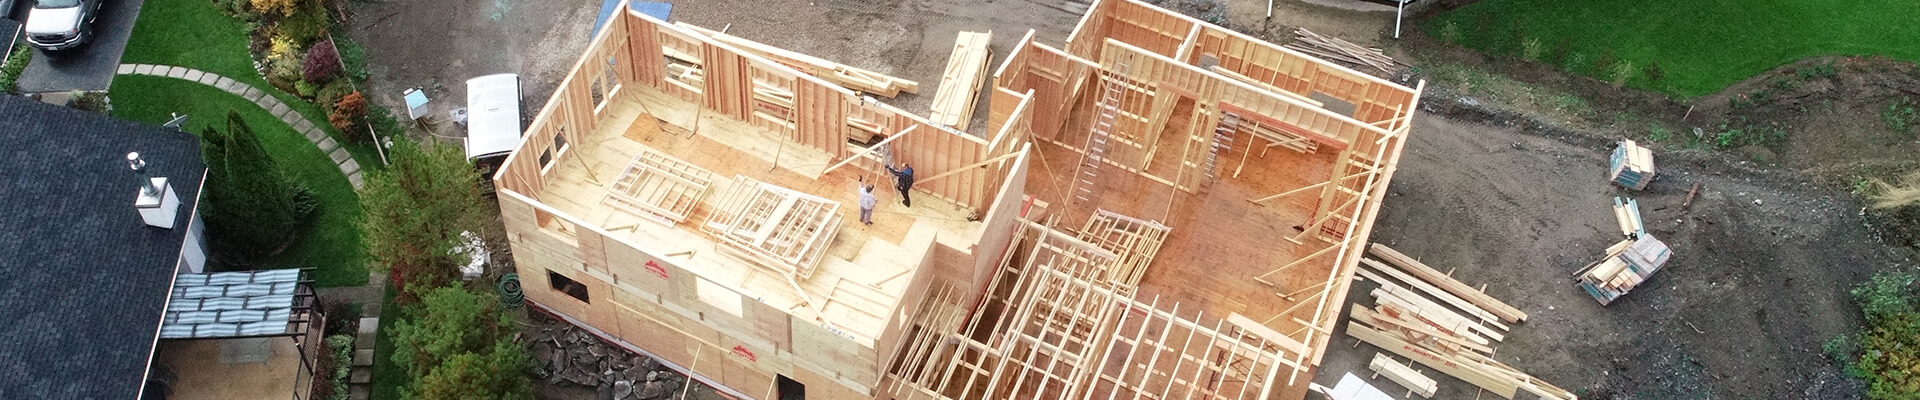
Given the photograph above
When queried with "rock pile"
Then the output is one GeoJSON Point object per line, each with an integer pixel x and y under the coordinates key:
{"type": "Point", "coordinates": [568, 355]}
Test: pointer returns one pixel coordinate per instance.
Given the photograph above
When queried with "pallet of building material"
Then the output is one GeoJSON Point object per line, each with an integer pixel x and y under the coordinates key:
{"type": "Point", "coordinates": [1332, 48]}
{"type": "Point", "coordinates": [1631, 166]}
{"type": "Point", "coordinates": [966, 70]}
{"type": "Point", "coordinates": [1626, 265]}
{"type": "Point", "coordinates": [841, 74]}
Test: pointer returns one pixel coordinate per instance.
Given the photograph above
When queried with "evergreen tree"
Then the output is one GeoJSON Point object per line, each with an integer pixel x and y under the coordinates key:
{"type": "Point", "coordinates": [416, 209]}
{"type": "Point", "coordinates": [459, 345]}
{"type": "Point", "coordinates": [247, 203]}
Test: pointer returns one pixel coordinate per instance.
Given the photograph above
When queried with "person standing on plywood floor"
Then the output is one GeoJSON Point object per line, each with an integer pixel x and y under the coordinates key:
{"type": "Point", "coordinates": [866, 200]}
{"type": "Point", "coordinates": [903, 179]}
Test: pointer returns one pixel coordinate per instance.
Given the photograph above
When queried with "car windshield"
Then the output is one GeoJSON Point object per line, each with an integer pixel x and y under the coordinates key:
{"type": "Point", "coordinates": [56, 4]}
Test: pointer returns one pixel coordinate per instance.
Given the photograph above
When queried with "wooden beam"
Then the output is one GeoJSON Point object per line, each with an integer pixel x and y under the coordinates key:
{"type": "Point", "coordinates": [869, 149]}
{"type": "Point", "coordinates": [1404, 375]}
{"type": "Point", "coordinates": [1498, 385]}
{"type": "Point", "coordinates": [1456, 302]}
{"type": "Point", "coordinates": [969, 166]}
{"type": "Point", "coordinates": [1264, 332]}
{"type": "Point", "coordinates": [1479, 298]}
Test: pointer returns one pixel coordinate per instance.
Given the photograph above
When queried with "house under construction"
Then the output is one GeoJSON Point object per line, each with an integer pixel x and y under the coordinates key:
{"type": "Point", "coordinates": [1158, 208]}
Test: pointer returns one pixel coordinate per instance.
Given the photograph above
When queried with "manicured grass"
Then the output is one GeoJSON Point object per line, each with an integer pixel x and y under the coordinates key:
{"type": "Point", "coordinates": [332, 245]}
{"type": "Point", "coordinates": [387, 376]}
{"type": "Point", "coordinates": [196, 34]}
{"type": "Point", "coordinates": [1700, 46]}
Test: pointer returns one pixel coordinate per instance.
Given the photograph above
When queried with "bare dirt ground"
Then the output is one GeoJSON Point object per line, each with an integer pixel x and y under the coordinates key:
{"type": "Point", "coordinates": [1507, 186]}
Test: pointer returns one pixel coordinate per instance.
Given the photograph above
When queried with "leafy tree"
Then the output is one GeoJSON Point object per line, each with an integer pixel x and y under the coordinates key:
{"type": "Point", "coordinates": [248, 205]}
{"type": "Point", "coordinates": [460, 346]}
{"type": "Point", "coordinates": [416, 209]}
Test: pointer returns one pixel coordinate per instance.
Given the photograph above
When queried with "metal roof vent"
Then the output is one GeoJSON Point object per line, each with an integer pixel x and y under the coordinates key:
{"type": "Point", "coordinates": [156, 201]}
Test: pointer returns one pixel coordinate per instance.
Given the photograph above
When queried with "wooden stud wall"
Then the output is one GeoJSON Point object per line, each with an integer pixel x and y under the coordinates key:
{"type": "Point", "coordinates": [642, 297]}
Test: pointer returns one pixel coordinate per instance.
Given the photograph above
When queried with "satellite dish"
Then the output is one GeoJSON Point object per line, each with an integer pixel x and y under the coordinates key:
{"type": "Point", "coordinates": [175, 123]}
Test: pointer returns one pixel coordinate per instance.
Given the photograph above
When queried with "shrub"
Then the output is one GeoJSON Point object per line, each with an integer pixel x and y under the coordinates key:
{"type": "Point", "coordinates": [1890, 345]}
{"type": "Point", "coordinates": [90, 101]}
{"type": "Point", "coordinates": [305, 89]}
{"type": "Point", "coordinates": [16, 63]}
{"type": "Point", "coordinates": [281, 7]}
{"type": "Point", "coordinates": [349, 115]}
{"type": "Point", "coordinates": [1659, 133]}
{"type": "Point", "coordinates": [353, 57]}
{"type": "Point", "coordinates": [1653, 72]}
{"type": "Point", "coordinates": [1900, 116]}
{"type": "Point", "coordinates": [247, 204]}
{"type": "Point", "coordinates": [1817, 71]}
{"type": "Point", "coordinates": [305, 24]}
{"type": "Point", "coordinates": [283, 62]}
{"type": "Point", "coordinates": [459, 345]}
{"type": "Point", "coordinates": [321, 64]}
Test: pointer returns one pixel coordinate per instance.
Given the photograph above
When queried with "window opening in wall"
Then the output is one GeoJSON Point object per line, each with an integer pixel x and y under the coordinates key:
{"type": "Point", "coordinates": [789, 389]}
{"type": "Point", "coordinates": [563, 284]}
{"type": "Point", "coordinates": [1334, 104]}
{"type": "Point", "coordinates": [553, 225]}
{"type": "Point", "coordinates": [546, 160]}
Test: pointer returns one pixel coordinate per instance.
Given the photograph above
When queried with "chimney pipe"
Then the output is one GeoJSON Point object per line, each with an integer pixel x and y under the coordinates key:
{"type": "Point", "coordinates": [156, 201]}
{"type": "Point", "coordinates": [140, 169]}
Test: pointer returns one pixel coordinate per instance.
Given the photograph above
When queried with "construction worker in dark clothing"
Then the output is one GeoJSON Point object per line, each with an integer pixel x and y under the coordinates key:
{"type": "Point", "coordinates": [903, 181]}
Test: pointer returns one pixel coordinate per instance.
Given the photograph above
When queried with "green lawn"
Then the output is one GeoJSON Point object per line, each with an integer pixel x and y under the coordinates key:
{"type": "Point", "coordinates": [196, 34]}
{"type": "Point", "coordinates": [1700, 46]}
{"type": "Point", "coordinates": [332, 245]}
{"type": "Point", "coordinates": [387, 376]}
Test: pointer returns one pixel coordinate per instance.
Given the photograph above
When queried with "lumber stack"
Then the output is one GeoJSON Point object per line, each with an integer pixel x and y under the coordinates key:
{"type": "Point", "coordinates": [960, 85]}
{"type": "Point", "coordinates": [1409, 319]}
{"type": "Point", "coordinates": [840, 74]}
{"type": "Point", "coordinates": [1627, 263]}
{"type": "Point", "coordinates": [1631, 166]}
{"type": "Point", "coordinates": [1332, 48]}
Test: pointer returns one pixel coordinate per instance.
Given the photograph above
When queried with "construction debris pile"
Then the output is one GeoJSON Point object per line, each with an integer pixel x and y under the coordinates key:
{"type": "Point", "coordinates": [1409, 320]}
{"type": "Point", "coordinates": [1627, 263]}
{"type": "Point", "coordinates": [568, 355]}
{"type": "Point", "coordinates": [1631, 166]}
{"type": "Point", "coordinates": [1335, 49]}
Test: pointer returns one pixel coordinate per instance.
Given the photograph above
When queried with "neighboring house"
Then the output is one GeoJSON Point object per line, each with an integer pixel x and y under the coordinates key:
{"type": "Point", "coordinates": [105, 276]}
{"type": "Point", "coordinates": [1109, 234]}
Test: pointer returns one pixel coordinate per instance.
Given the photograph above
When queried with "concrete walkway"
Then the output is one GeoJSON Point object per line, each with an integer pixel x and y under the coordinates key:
{"type": "Point", "coordinates": [300, 123]}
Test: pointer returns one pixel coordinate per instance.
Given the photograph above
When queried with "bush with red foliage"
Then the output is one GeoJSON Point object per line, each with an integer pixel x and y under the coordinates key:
{"type": "Point", "coordinates": [322, 63]}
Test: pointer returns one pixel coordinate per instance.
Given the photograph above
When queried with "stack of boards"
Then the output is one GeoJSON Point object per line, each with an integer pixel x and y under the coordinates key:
{"type": "Point", "coordinates": [960, 85]}
{"type": "Point", "coordinates": [1627, 263]}
{"type": "Point", "coordinates": [1631, 166]}
{"type": "Point", "coordinates": [1426, 316]}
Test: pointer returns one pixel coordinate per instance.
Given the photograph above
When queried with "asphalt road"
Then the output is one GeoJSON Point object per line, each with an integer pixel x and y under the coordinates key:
{"type": "Point", "coordinates": [89, 67]}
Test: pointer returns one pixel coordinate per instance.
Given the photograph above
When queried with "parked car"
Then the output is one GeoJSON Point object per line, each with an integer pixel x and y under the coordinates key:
{"type": "Point", "coordinates": [61, 24]}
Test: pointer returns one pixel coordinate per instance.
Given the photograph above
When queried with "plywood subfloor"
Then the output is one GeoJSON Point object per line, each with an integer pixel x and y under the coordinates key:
{"type": "Point", "coordinates": [866, 268]}
{"type": "Point", "coordinates": [1220, 240]}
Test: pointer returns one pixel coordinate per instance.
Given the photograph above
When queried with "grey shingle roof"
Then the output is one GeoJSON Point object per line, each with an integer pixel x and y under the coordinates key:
{"type": "Point", "coordinates": [83, 282]}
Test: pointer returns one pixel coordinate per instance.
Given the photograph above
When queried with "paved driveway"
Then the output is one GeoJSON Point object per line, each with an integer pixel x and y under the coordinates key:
{"type": "Point", "coordinates": [90, 67]}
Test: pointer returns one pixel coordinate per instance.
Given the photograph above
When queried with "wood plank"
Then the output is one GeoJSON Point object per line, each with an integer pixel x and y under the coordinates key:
{"type": "Point", "coordinates": [1264, 332]}
{"type": "Point", "coordinates": [1435, 277]}
{"type": "Point", "coordinates": [1404, 375]}
{"type": "Point", "coordinates": [1470, 373]}
{"type": "Point", "coordinates": [1450, 299]}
